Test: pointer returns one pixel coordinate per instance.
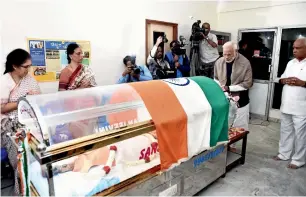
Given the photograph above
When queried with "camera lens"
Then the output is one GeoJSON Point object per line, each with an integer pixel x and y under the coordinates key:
{"type": "Point", "coordinates": [137, 71]}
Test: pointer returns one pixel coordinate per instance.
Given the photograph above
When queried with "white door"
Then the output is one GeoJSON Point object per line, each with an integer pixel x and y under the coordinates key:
{"type": "Point", "coordinates": [260, 51]}
{"type": "Point", "coordinates": [286, 37]}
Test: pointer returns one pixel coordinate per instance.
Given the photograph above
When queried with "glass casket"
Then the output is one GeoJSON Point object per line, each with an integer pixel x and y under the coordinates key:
{"type": "Point", "coordinates": [83, 142]}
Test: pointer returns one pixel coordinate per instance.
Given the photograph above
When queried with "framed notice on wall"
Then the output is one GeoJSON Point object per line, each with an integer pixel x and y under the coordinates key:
{"type": "Point", "coordinates": [49, 57]}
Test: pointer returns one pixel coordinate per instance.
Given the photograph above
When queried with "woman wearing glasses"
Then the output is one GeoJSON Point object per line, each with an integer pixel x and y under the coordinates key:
{"type": "Point", "coordinates": [15, 83]}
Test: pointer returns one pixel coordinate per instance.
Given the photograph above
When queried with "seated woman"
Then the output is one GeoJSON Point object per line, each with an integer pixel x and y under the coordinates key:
{"type": "Point", "coordinates": [15, 83]}
{"type": "Point", "coordinates": [75, 75]}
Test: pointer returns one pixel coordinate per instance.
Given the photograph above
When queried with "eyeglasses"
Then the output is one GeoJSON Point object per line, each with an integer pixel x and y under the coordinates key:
{"type": "Point", "coordinates": [26, 67]}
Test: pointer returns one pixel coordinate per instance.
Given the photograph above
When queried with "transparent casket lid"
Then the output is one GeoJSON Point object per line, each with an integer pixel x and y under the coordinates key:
{"type": "Point", "coordinates": [67, 115]}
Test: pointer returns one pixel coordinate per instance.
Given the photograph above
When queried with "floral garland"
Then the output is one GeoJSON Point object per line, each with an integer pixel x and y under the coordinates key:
{"type": "Point", "coordinates": [111, 158]}
{"type": "Point", "coordinates": [112, 155]}
{"type": "Point", "coordinates": [22, 164]}
{"type": "Point", "coordinates": [146, 159]}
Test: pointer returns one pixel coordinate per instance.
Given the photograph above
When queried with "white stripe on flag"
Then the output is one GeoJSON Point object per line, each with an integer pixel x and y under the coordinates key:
{"type": "Point", "coordinates": [198, 112]}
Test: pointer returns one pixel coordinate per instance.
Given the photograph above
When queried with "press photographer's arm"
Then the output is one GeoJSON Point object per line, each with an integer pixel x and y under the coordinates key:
{"type": "Point", "coordinates": [180, 62]}
{"type": "Point", "coordinates": [212, 42]}
{"type": "Point", "coordinates": [154, 49]}
{"type": "Point", "coordinates": [185, 67]}
{"type": "Point", "coordinates": [125, 75]}
{"type": "Point", "coordinates": [145, 75]}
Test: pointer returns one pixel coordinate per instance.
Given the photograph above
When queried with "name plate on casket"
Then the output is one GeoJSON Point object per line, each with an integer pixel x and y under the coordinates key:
{"type": "Point", "coordinates": [203, 169]}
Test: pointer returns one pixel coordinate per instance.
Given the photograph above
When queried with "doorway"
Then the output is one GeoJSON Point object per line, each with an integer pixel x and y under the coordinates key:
{"type": "Point", "coordinates": [288, 36]}
{"type": "Point", "coordinates": [154, 29]}
{"type": "Point", "coordinates": [260, 44]}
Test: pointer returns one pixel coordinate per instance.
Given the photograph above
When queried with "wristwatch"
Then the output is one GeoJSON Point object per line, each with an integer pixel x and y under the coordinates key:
{"type": "Point", "coordinates": [304, 84]}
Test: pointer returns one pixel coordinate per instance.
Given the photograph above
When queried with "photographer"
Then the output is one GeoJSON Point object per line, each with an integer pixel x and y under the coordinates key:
{"type": "Point", "coordinates": [208, 52]}
{"type": "Point", "coordinates": [178, 60]}
{"type": "Point", "coordinates": [159, 68]}
{"type": "Point", "coordinates": [134, 73]}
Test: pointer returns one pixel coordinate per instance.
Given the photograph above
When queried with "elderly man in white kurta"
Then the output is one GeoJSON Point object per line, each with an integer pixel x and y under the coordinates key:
{"type": "Point", "coordinates": [293, 109]}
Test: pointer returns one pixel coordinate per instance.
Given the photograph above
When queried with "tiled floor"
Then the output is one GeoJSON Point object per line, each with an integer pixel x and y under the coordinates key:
{"type": "Point", "coordinates": [259, 176]}
{"type": "Point", "coordinates": [8, 189]}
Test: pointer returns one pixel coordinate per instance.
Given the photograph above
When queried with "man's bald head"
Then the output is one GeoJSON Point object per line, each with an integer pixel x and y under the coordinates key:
{"type": "Point", "coordinates": [229, 51]}
{"type": "Point", "coordinates": [299, 49]}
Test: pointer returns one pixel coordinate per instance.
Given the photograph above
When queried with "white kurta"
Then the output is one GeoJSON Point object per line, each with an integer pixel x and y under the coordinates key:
{"type": "Point", "coordinates": [242, 117]}
{"type": "Point", "coordinates": [293, 118]}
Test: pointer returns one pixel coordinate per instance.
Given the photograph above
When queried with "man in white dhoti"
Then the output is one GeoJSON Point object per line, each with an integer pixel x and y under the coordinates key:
{"type": "Point", "coordinates": [293, 109]}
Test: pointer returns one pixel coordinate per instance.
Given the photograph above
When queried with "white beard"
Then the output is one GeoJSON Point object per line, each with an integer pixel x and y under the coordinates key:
{"type": "Point", "coordinates": [229, 61]}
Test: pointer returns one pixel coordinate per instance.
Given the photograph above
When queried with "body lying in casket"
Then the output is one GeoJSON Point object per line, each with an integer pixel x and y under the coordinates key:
{"type": "Point", "coordinates": [74, 115]}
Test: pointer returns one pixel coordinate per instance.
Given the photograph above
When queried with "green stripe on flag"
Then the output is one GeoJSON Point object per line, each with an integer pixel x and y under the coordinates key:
{"type": "Point", "coordinates": [25, 169]}
{"type": "Point", "coordinates": [220, 109]}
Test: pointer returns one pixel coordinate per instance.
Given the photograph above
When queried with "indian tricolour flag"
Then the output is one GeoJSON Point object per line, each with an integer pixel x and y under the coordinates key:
{"type": "Point", "coordinates": [190, 115]}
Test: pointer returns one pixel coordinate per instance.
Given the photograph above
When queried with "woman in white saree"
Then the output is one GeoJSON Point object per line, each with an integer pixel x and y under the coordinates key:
{"type": "Point", "coordinates": [15, 83]}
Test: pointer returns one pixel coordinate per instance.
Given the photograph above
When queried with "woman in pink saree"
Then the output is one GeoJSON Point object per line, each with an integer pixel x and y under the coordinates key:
{"type": "Point", "coordinates": [15, 83]}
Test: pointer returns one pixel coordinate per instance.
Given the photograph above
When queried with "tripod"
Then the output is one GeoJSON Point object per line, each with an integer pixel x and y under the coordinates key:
{"type": "Point", "coordinates": [195, 63]}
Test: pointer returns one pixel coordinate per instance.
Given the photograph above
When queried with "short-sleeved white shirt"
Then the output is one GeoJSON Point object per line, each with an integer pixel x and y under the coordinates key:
{"type": "Point", "coordinates": [207, 52]}
{"type": "Point", "coordinates": [294, 97]}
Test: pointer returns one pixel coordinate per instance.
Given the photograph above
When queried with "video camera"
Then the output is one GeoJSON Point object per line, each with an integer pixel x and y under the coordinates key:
{"type": "Point", "coordinates": [196, 34]}
{"type": "Point", "coordinates": [196, 31]}
{"type": "Point", "coordinates": [179, 48]}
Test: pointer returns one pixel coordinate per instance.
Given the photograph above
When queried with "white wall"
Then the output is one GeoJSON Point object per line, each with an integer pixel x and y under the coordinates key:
{"type": "Point", "coordinates": [255, 14]}
{"type": "Point", "coordinates": [112, 37]}
{"type": "Point", "coordinates": [1, 51]}
{"type": "Point", "coordinates": [236, 15]}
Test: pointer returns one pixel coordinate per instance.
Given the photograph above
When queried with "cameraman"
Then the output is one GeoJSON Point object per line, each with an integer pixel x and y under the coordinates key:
{"type": "Point", "coordinates": [177, 60]}
{"type": "Point", "coordinates": [208, 52]}
{"type": "Point", "coordinates": [159, 68]}
{"type": "Point", "coordinates": [134, 73]}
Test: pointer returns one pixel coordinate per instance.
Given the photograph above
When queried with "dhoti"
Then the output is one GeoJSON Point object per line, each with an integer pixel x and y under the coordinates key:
{"type": "Point", "coordinates": [242, 118]}
{"type": "Point", "coordinates": [293, 132]}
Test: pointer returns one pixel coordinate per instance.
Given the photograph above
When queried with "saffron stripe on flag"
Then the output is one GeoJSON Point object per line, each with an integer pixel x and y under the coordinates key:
{"type": "Point", "coordinates": [198, 111]}
{"type": "Point", "coordinates": [169, 118]}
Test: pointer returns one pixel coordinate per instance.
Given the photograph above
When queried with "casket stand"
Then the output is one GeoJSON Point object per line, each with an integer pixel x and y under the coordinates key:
{"type": "Point", "coordinates": [48, 121]}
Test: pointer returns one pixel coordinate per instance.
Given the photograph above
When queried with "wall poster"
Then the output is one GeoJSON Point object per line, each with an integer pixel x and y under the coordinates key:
{"type": "Point", "coordinates": [49, 57]}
